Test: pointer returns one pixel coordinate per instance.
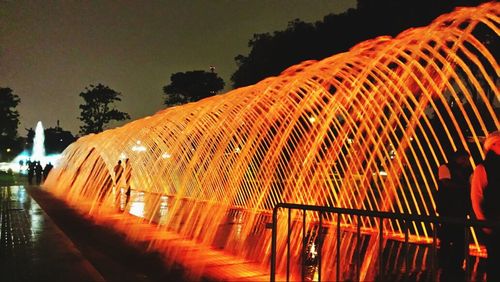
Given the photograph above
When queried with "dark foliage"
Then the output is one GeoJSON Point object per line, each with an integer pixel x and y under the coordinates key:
{"type": "Point", "coordinates": [9, 121]}
{"type": "Point", "coordinates": [57, 139]}
{"type": "Point", "coordinates": [191, 86]}
{"type": "Point", "coordinates": [270, 54]}
{"type": "Point", "coordinates": [98, 109]}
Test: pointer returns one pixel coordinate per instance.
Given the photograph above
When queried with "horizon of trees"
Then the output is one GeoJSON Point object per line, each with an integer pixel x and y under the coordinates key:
{"type": "Point", "coordinates": [272, 53]}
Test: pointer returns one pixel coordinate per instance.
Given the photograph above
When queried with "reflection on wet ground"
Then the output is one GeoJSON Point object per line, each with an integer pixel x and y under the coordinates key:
{"type": "Point", "coordinates": [32, 247]}
{"type": "Point", "coordinates": [419, 265]}
{"type": "Point", "coordinates": [44, 239]}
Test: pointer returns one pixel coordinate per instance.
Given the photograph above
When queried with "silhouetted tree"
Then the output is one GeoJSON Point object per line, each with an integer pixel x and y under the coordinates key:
{"type": "Point", "coordinates": [270, 54]}
{"type": "Point", "coordinates": [98, 109]}
{"type": "Point", "coordinates": [191, 86]}
{"type": "Point", "coordinates": [9, 120]}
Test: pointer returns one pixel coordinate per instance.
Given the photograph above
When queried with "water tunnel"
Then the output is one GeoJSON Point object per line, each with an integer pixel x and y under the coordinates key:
{"type": "Point", "coordinates": [365, 129]}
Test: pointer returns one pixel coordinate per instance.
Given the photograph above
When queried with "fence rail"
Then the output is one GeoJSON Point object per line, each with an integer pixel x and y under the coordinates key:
{"type": "Point", "coordinates": [381, 216]}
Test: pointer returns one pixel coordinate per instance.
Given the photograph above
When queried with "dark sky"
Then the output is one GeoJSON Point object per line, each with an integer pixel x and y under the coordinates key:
{"type": "Point", "coordinates": [51, 50]}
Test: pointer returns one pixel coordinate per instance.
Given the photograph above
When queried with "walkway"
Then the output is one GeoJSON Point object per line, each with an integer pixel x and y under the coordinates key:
{"type": "Point", "coordinates": [57, 244]}
{"type": "Point", "coordinates": [32, 247]}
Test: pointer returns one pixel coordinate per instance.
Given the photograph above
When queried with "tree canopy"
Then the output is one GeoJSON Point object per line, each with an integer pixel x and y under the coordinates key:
{"type": "Point", "coordinates": [98, 108]}
{"type": "Point", "coordinates": [9, 121]}
{"type": "Point", "coordinates": [9, 117]}
{"type": "Point", "coordinates": [191, 86]}
{"type": "Point", "coordinates": [57, 139]}
{"type": "Point", "coordinates": [270, 54]}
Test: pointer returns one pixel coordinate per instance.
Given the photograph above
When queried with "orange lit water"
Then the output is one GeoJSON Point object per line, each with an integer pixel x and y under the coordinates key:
{"type": "Point", "coordinates": [365, 129]}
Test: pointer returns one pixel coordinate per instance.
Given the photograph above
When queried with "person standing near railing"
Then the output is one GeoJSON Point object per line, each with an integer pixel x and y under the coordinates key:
{"type": "Point", "coordinates": [453, 200]}
{"type": "Point", "coordinates": [485, 196]}
{"type": "Point", "coordinates": [127, 175]}
{"type": "Point", "coordinates": [118, 171]}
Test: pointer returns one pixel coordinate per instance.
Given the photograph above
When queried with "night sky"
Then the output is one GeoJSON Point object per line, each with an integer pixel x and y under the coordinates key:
{"type": "Point", "coordinates": [51, 50]}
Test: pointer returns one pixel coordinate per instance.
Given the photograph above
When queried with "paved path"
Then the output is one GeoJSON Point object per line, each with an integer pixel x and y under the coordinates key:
{"type": "Point", "coordinates": [42, 239]}
{"type": "Point", "coordinates": [32, 247]}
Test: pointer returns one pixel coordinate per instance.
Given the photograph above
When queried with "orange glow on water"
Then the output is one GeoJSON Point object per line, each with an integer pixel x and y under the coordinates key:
{"type": "Point", "coordinates": [355, 130]}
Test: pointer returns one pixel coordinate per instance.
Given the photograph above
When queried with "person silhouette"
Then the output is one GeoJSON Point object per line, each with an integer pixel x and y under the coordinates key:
{"type": "Point", "coordinates": [46, 170]}
{"type": "Point", "coordinates": [118, 171]}
{"type": "Point", "coordinates": [38, 172]}
{"type": "Point", "coordinates": [31, 171]}
{"type": "Point", "coordinates": [127, 175]}
{"type": "Point", "coordinates": [117, 185]}
{"type": "Point", "coordinates": [453, 201]}
{"type": "Point", "coordinates": [485, 196]}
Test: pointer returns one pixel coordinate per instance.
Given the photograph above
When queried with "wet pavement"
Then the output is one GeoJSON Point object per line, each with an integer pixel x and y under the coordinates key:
{"type": "Point", "coordinates": [32, 247]}
{"type": "Point", "coordinates": [57, 244]}
{"type": "Point", "coordinates": [44, 239]}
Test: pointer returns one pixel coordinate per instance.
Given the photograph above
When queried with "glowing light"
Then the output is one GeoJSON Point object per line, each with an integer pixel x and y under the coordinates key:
{"type": "Point", "coordinates": [313, 251]}
{"type": "Point", "coordinates": [138, 147]}
{"type": "Point", "coordinates": [38, 153]}
{"type": "Point", "coordinates": [137, 205]}
{"type": "Point", "coordinates": [20, 163]}
{"type": "Point", "coordinates": [385, 126]}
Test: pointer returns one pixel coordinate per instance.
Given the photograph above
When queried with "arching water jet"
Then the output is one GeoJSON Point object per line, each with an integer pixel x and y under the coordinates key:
{"type": "Point", "coordinates": [365, 129]}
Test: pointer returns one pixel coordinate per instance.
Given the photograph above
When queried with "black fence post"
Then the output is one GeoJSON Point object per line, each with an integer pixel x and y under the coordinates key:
{"type": "Point", "coordinates": [358, 249]}
{"type": "Point", "coordinates": [380, 249]}
{"type": "Point", "coordinates": [338, 247]}
{"type": "Point", "coordinates": [288, 246]}
{"type": "Point", "coordinates": [320, 243]}
{"type": "Point", "coordinates": [304, 245]}
{"type": "Point", "coordinates": [434, 251]}
{"type": "Point", "coordinates": [407, 249]}
{"type": "Point", "coordinates": [466, 251]}
{"type": "Point", "coordinates": [274, 243]}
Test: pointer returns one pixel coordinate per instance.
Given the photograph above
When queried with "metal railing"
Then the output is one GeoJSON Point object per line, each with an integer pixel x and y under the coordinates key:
{"type": "Point", "coordinates": [381, 216]}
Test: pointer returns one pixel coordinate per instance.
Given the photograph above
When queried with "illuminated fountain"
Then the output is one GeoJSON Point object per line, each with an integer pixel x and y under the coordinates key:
{"type": "Point", "coordinates": [38, 153]}
{"type": "Point", "coordinates": [365, 129]}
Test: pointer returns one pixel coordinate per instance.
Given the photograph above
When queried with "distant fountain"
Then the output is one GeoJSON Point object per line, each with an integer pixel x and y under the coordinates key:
{"type": "Point", "coordinates": [38, 153]}
{"type": "Point", "coordinates": [20, 162]}
{"type": "Point", "coordinates": [365, 129]}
